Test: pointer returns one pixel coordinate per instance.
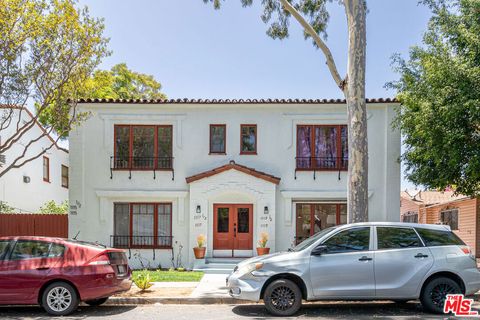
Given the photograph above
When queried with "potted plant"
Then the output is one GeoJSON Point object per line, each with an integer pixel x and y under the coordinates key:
{"type": "Point", "coordinates": [199, 250]}
{"type": "Point", "coordinates": [262, 244]}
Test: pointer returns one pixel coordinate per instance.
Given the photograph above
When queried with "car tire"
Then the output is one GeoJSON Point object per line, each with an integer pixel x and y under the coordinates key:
{"type": "Point", "coordinates": [60, 299]}
{"type": "Point", "coordinates": [282, 297]}
{"type": "Point", "coordinates": [435, 292]}
{"type": "Point", "coordinates": [96, 302]}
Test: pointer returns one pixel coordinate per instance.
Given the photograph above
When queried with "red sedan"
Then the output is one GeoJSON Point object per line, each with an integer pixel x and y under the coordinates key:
{"type": "Point", "coordinates": [58, 273]}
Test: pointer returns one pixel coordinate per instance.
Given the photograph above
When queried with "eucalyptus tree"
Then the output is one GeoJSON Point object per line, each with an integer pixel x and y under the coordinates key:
{"type": "Point", "coordinates": [313, 16]}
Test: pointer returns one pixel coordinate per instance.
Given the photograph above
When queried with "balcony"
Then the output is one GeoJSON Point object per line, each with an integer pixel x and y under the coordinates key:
{"type": "Point", "coordinates": [141, 242]}
{"type": "Point", "coordinates": [130, 164]}
{"type": "Point", "coordinates": [321, 164]}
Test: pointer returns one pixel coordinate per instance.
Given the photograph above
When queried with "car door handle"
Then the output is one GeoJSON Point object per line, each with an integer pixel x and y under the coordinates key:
{"type": "Point", "coordinates": [421, 255]}
{"type": "Point", "coordinates": [365, 258]}
{"type": "Point", "coordinates": [42, 268]}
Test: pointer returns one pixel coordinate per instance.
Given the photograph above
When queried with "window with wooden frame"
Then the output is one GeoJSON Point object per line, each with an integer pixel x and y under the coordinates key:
{"type": "Point", "coordinates": [142, 225]}
{"type": "Point", "coordinates": [248, 139]}
{"type": "Point", "coordinates": [450, 217]}
{"type": "Point", "coordinates": [143, 147]}
{"type": "Point", "coordinates": [64, 176]}
{"type": "Point", "coordinates": [218, 139]}
{"type": "Point", "coordinates": [46, 169]}
{"type": "Point", "coordinates": [410, 217]}
{"type": "Point", "coordinates": [322, 147]}
{"type": "Point", "coordinates": [314, 217]}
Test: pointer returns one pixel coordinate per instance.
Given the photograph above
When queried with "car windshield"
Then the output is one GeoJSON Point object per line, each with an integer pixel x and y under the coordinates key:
{"type": "Point", "coordinates": [307, 242]}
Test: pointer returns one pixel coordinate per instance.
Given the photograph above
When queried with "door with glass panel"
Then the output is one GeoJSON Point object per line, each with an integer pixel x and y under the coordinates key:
{"type": "Point", "coordinates": [314, 217]}
{"type": "Point", "coordinates": [233, 230]}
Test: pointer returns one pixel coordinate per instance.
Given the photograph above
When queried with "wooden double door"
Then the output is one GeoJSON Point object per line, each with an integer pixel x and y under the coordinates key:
{"type": "Point", "coordinates": [233, 230]}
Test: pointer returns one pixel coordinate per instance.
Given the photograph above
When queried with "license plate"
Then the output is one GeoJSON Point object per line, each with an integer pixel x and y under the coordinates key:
{"type": "Point", "coordinates": [122, 269]}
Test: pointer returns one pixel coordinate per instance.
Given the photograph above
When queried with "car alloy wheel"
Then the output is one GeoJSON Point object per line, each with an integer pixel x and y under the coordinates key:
{"type": "Point", "coordinates": [59, 299]}
{"type": "Point", "coordinates": [282, 297]}
{"type": "Point", "coordinates": [435, 293]}
{"type": "Point", "coordinates": [439, 293]}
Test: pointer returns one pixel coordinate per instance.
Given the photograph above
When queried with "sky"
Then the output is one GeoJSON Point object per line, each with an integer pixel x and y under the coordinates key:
{"type": "Point", "coordinates": [198, 52]}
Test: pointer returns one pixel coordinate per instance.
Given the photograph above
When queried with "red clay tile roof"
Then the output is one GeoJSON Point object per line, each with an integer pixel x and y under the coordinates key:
{"type": "Point", "coordinates": [231, 101]}
{"type": "Point", "coordinates": [233, 165]}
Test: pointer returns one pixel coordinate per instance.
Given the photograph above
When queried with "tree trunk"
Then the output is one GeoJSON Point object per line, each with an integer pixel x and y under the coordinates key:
{"type": "Point", "coordinates": [357, 198]}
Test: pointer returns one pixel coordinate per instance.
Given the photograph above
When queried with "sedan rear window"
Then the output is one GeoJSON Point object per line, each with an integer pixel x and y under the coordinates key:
{"type": "Point", "coordinates": [3, 248]}
{"type": "Point", "coordinates": [30, 250]}
{"type": "Point", "coordinates": [433, 238]}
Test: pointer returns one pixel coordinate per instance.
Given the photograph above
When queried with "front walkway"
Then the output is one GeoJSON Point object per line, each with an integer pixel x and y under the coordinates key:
{"type": "Point", "coordinates": [211, 286]}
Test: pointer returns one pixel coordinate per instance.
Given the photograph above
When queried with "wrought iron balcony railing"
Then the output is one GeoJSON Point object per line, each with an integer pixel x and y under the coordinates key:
{"type": "Point", "coordinates": [320, 164]}
{"type": "Point", "coordinates": [141, 164]}
{"type": "Point", "coordinates": [127, 242]}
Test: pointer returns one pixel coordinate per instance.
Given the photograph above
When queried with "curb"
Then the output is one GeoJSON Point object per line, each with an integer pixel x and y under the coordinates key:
{"type": "Point", "coordinates": [115, 301]}
{"type": "Point", "coordinates": [180, 300]}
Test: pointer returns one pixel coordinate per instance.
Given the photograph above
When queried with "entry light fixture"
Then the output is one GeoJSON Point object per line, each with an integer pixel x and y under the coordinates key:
{"type": "Point", "coordinates": [199, 209]}
{"type": "Point", "coordinates": [265, 210]}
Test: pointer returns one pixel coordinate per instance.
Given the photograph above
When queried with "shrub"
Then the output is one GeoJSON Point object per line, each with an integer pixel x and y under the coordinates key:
{"type": "Point", "coordinates": [142, 280]}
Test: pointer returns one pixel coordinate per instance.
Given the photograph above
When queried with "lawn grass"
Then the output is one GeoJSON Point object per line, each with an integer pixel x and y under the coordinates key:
{"type": "Point", "coordinates": [172, 276]}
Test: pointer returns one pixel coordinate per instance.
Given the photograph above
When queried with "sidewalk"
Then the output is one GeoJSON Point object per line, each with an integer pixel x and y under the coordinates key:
{"type": "Point", "coordinates": [210, 290]}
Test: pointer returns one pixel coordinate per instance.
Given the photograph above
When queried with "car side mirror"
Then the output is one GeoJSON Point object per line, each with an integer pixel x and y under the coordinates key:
{"type": "Point", "coordinates": [319, 250]}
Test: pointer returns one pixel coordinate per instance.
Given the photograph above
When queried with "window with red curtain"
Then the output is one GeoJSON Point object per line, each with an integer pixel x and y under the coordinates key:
{"type": "Point", "coordinates": [322, 147]}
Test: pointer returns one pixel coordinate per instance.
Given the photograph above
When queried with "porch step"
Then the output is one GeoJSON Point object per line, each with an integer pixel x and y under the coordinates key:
{"type": "Point", "coordinates": [225, 260]}
{"type": "Point", "coordinates": [218, 265]}
{"type": "Point", "coordinates": [214, 271]}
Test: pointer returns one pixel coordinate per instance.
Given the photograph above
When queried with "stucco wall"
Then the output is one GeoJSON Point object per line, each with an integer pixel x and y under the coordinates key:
{"type": "Point", "coordinates": [91, 147]}
{"type": "Point", "coordinates": [29, 197]}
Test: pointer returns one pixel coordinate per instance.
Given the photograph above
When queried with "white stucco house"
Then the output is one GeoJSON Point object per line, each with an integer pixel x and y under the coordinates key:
{"type": "Point", "coordinates": [150, 176]}
{"type": "Point", "coordinates": [43, 179]}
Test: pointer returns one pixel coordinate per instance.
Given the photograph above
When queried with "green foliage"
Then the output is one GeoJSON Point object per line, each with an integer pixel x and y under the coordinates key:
{"type": "Point", "coordinates": [440, 97]}
{"type": "Point", "coordinates": [172, 275]}
{"type": "Point", "coordinates": [315, 12]}
{"type": "Point", "coordinates": [142, 280]}
{"type": "Point", "coordinates": [5, 208]}
{"type": "Point", "coordinates": [52, 207]}
{"type": "Point", "coordinates": [121, 83]}
{"type": "Point", "coordinates": [47, 47]}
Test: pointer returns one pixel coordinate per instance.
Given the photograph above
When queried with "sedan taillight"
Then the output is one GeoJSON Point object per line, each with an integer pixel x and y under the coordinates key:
{"type": "Point", "coordinates": [99, 260]}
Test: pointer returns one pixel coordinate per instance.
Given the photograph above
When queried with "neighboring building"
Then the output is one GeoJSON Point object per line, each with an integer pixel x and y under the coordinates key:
{"type": "Point", "coordinates": [153, 175]}
{"type": "Point", "coordinates": [460, 212]}
{"type": "Point", "coordinates": [40, 180]}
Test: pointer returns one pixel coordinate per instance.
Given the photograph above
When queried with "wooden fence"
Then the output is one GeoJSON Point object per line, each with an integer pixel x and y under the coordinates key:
{"type": "Point", "coordinates": [49, 225]}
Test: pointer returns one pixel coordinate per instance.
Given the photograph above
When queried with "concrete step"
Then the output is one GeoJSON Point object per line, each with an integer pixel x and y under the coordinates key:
{"type": "Point", "coordinates": [214, 270]}
{"type": "Point", "coordinates": [220, 265]}
{"type": "Point", "coordinates": [225, 260]}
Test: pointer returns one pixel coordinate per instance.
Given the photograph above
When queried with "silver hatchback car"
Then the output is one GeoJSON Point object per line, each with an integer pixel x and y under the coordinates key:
{"type": "Point", "coordinates": [361, 261]}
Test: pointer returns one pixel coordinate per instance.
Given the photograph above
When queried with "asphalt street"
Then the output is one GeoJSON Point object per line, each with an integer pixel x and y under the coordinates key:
{"type": "Point", "coordinates": [324, 310]}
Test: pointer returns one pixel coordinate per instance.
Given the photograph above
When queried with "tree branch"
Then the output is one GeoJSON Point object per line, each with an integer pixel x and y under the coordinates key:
{"type": "Point", "coordinates": [319, 42]}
